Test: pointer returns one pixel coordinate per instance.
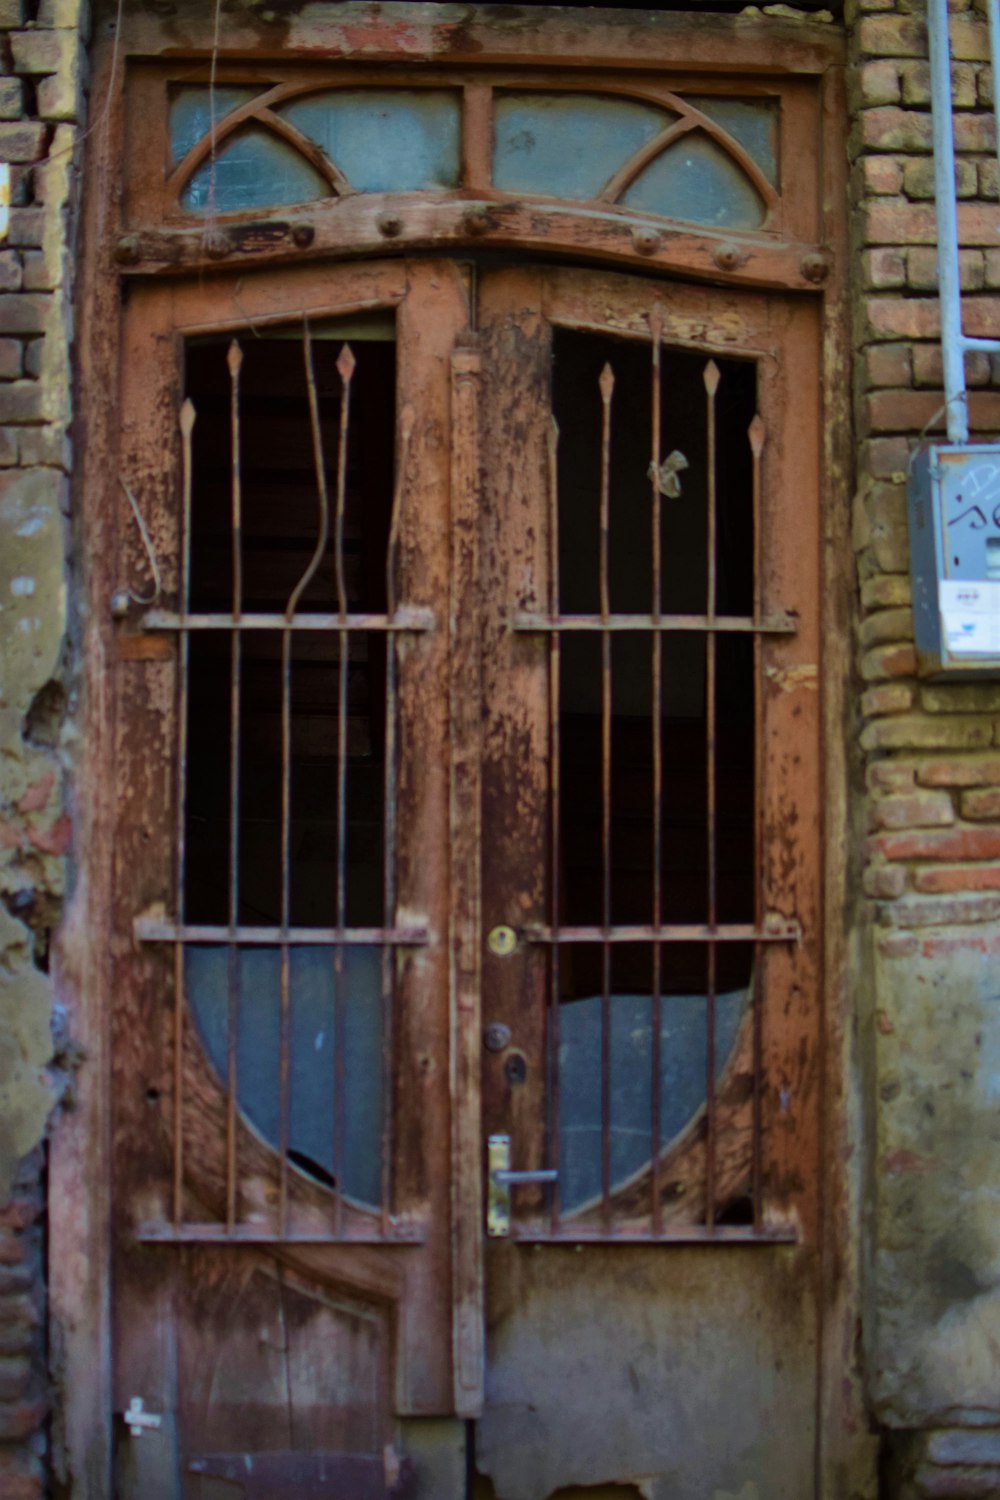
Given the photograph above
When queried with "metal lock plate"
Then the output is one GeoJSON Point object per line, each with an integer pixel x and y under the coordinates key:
{"type": "Point", "coordinates": [502, 941]}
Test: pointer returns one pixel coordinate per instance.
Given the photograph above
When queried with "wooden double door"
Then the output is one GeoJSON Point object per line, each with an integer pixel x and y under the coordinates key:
{"type": "Point", "coordinates": [466, 1012]}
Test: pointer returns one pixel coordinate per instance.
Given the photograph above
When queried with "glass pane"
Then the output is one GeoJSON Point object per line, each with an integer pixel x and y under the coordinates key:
{"type": "Point", "coordinates": [752, 122]}
{"type": "Point", "coordinates": [191, 114]}
{"type": "Point", "coordinates": [683, 1071]}
{"type": "Point", "coordinates": [697, 181]}
{"type": "Point", "coordinates": [567, 145]}
{"type": "Point", "coordinates": [385, 141]}
{"type": "Point", "coordinates": [256, 170]}
{"type": "Point", "coordinates": [311, 1051]}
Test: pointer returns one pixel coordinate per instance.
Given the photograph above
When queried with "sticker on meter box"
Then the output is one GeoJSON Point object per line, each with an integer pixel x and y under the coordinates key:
{"type": "Point", "coordinates": [970, 616]}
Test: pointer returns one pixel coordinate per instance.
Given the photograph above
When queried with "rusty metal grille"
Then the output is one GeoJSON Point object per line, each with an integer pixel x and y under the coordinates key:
{"type": "Point", "coordinates": [263, 640]}
{"type": "Point", "coordinates": [640, 1202]}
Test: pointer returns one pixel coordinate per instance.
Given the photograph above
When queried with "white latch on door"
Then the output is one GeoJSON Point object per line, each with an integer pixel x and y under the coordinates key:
{"type": "Point", "coordinates": [138, 1420]}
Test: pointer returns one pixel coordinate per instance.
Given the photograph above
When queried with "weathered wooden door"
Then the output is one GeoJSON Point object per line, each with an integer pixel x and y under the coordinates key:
{"type": "Point", "coordinates": [650, 898]}
{"type": "Point", "coordinates": [468, 770]}
{"type": "Point", "coordinates": [281, 1049]}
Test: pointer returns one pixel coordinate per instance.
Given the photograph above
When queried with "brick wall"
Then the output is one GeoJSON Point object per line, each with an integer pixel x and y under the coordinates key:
{"type": "Point", "coordinates": [40, 84]}
{"type": "Point", "coordinates": [929, 1003]}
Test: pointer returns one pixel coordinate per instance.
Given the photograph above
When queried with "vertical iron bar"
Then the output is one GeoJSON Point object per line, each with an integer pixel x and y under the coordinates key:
{"type": "Point", "coordinates": [234, 362]}
{"type": "Point", "coordinates": [757, 435]}
{"type": "Point", "coordinates": [345, 367]}
{"type": "Point", "coordinates": [555, 957]}
{"type": "Point", "coordinates": [711, 378]}
{"type": "Point", "coordinates": [607, 385]}
{"type": "Point", "coordinates": [187, 421]}
{"type": "Point", "coordinates": [389, 814]}
{"type": "Point", "coordinates": [284, 1065]}
{"type": "Point", "coordinates": [656, 1019]}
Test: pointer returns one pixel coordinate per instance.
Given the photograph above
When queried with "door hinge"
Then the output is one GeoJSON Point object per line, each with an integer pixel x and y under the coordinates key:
{"type": "Point", "coordinates": [500, 1180]}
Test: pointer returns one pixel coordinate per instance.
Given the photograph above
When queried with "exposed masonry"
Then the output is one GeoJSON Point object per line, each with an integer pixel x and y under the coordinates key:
{"type": "Point", "coordinates": [41, 51]}
{"type": "Point", "coordinates": [934, 783]}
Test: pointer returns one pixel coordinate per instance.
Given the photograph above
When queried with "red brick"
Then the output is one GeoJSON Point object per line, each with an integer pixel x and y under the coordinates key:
{"type": "Point", "coordinates": [945, 879]}
{"type": "Point", "coordinates": [24, 313]}
{"type": "Point", "coordinates": [885, 458]}
{"type": "Point", "coordinates": [891, 776]}
{"type": "Point", "coordinates": [884, 268]}
{"type": "Point", "coordinates": [885, 882]}
{"type": "Point", "coordinates": [982, 803]}
{"type": "Point", "coordinates": [889, 364]}
{"type": "Point", "coordinates": [928, 369]}
{"type": "Point", "coordinates": [19, 1213]}
{"type": "Point", "coordinates": [882, 175]}
{"type": "Point", "coordinates": [888, 661]}
{"type": "Point", "coordinates": [953, 845]}
{"type": "Point", "coordinates": [10, 359]}
{"type": "Point", "coordinates": [13, 1249]}
{"type": "Point", "coordinates": [885, 590]}
{"type": "Point", "coordinates": [892, 36]}
{"type": "Point", "coordinates": [916, 411]}
{"type": "Point", "coordinates": [970, 40]}
{"type": "Point", "coordinates": [37, 52]}
{"type": "Point", "coordinates": [889, 128]}
{"type": "Point", "coordinates": [919, 810]}
{"type": "Point", "coordinates": [959, 771]}
{"type": "Point", "coordinates": [922, 268]}
{"type": "Point", "coordinates": [921, 732]}
{"type": "Point", "coordinates": [915, 84]}
{"type": "Point", "coordinates": [21, 141]}
{"type": "Point", "coordinates": [886, 625]}
{"type": "Point", "coordinates": [915, 224]}
{"type": "Point", "coordinates": [15, 1380]}
{"type": "Point", "coordinates": [887, 698]}
{"type": "Point", "coordinates": [21, 1419]}
{"type": "Point", "coordinates": [898, 945]}
{"type": "Point", "coordinates": [878, 82]}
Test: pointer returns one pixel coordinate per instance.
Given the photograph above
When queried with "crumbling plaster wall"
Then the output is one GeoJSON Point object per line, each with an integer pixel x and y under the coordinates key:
{"type": "Point", "coordinates": [929, 1005]}
{"type": "Point", "coordinates": [40, 82]}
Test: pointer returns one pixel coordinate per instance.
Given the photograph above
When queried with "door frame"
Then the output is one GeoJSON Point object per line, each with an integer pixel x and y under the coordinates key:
{"type": "Point", "coordinates": [80, 1217]}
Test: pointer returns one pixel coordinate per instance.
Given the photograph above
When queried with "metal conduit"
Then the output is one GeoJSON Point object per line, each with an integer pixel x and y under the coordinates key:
{"type": "Point", "coordinates": [955, 343]}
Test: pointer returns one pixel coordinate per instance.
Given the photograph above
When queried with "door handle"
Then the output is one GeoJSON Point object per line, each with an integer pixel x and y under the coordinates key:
{"type": "Point", "coordinates": [500, 1181]}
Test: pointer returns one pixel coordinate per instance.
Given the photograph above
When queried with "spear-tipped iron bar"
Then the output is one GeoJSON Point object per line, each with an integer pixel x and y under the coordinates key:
{"type": "Point", "coordinates": [711, 378]}
{"type": "Point", "coordinates": [656, 644]}
{"type": "Point", "coordinates": [187, 421]}
{"type": "Point", "coordinates": [234, 362]}
{"type": "Point", "coordinates": [345, 368]}
{"type": "Point", "coordinates": [606, 384]}
{"type": "Point", "coordinates": [555, 854]}
{"type": "Point", "coordinates": [757, 436]}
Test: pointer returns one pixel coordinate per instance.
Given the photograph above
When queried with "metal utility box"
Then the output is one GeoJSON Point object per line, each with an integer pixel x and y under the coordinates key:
{"type": "Point", "coordinates": [954, 509]}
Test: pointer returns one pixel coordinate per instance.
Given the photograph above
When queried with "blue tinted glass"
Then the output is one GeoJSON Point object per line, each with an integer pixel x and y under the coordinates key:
{"type": "Point", "coordinates": [311, 1049]}
{"type": "Point", "coordinates": [255, 170]}
{"type": "Point", "coordinates": [567, 145]}
{"type": "Point", "coordinates": [385, 140]}
{"type": "Point", "coordinates": [752, 122]}
{"type": "Point", "coordinates": [191, 114]}
{"type": "Point", "coordinates": [697, 181]}
{"type": "Point", "coordinates": [684, 1055]}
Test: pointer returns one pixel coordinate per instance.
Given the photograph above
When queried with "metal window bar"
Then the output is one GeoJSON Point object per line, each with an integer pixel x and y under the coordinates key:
{"type": "Point", "coordinates": [955, 343]}
{"type": "Point", "coordinates": [764, 929]}
{"type": "Point", "coordinates": [233, 935]}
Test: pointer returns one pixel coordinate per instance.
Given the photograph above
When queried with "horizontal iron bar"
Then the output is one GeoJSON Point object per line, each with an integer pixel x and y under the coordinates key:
{"type": "Point", "coordinates": [159, 1233]}
{"type": "Point", "coordinates": [403, 619]}
{"type": "Point", "coordinates": [514, 1179]}
{"type": "Point", "coordinates": [157, 930]}
{"type": "Point", "coordinates": [694, 1234]}
{"type": "Point", "coordinates": [783, 624]}
{"type": "Point", "coordinates": [733, 932]}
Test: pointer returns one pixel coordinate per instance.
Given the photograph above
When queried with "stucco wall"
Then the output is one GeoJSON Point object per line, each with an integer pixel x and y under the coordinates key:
{"type": "Point", "coordinates": [930, 1001]}
{"type": "Point", "coordinates": [40, 62]}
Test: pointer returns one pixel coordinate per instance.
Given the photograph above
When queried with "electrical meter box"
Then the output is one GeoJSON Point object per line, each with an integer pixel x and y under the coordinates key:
{"type": "Point", "coordinates": [954, 510]}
